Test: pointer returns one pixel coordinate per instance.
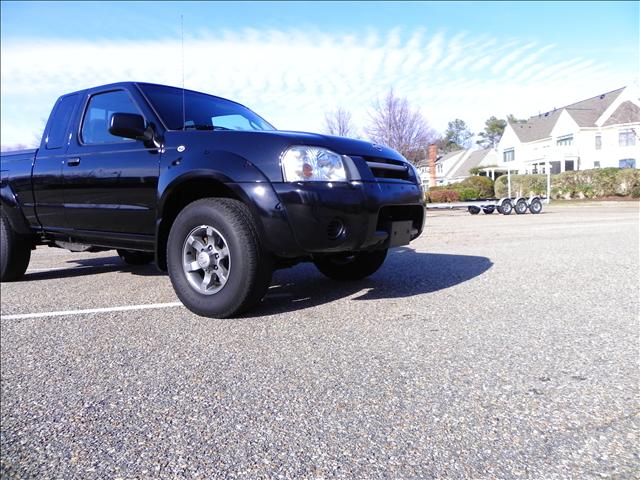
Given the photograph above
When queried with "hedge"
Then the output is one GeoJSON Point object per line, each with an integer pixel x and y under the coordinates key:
{"type": "Point", "coordinates": [469, 189]}
{"type": "Point", "coordinates": [601, 182]}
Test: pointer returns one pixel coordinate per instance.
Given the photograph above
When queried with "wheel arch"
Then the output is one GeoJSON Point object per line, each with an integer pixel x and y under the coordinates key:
{"type": "Point", "coordinates": [185, 190]}
{"type": "Point", "coordinates": [13, 211]}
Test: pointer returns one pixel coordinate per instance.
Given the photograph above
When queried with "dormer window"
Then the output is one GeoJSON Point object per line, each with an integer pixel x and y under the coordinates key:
{"type": "Point", "coordinates": [564, 141]}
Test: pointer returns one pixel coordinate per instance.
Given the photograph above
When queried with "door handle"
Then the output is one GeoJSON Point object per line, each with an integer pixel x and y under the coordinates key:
{"type": "Point", "coordinates": [73, 162]}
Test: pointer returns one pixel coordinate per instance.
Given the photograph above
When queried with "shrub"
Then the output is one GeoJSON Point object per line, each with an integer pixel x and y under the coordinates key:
{"type": "Point", "coordinates": [595, 183]}
{"type": "Point", "coordinates": [521, 185]}
{"type": "Point", "coordinates": [442, 196]}
{"type": "Point", "coordinates": [484, 186]}
{"type": "Point", "coordinates": [468, 193]}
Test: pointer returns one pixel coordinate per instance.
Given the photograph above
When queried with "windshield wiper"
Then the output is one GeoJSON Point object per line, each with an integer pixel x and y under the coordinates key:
{"type": "Point", "coordinates": [198, 127]}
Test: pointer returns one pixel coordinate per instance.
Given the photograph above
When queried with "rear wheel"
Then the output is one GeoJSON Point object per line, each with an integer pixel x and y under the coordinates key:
{"type": "Point", "coordinates": [217, 263]}
{"type": "Point", "coordinates": [521, 206]}
{"type": "Point", "coordinates": [488, 210]}
{"type": "Point", "coordinates": [131, 257]}
{"type": "Point", "coordinates": [351, 266]}
{"type": "Point", "coordinates": [536, 206]}
{"type": "Point", "coordinates": [15, 252]}
{"type": "Point", "coordinates": [506, 207]}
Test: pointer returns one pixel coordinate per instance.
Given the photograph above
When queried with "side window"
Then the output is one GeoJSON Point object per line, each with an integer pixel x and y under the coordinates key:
{"type": "Point", "coordinates": [95, 125]}
{"type": "Point", "coordinates": [60, 121]}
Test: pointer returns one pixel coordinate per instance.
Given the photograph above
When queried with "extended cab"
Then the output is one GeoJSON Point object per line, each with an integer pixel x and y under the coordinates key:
{"type": "Point", "coordinates": [208, 189]}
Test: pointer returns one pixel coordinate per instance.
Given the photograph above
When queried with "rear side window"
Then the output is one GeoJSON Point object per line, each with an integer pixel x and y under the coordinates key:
{"type": "Point", "coordinates": [60, 121]}
{"type": "Point", "coordinates": [95, 125]}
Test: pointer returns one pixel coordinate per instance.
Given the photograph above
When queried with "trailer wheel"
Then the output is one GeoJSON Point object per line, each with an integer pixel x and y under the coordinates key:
{"type": "Point", "coordinates": [474, 210]}
{"type": "Point", "coordinates": [536, 206]}
{"type": "Point", "coordinates": [506, 207]}
{"type": "Point", "coordinates": [488, 210]}
{"type": "Point", "coordinates": [521, 206]}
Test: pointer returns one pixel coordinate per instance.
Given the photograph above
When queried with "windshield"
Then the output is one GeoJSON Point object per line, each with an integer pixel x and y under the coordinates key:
{"type": "Point", "coordinates": [202, 111]}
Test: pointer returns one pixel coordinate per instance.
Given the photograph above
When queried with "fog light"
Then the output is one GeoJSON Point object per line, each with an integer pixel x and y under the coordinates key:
{"type": "Point", "coordinates": [335, 229]}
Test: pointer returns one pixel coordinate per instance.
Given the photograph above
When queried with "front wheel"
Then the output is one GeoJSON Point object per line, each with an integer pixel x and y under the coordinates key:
{"type": "Point", "coordinates": [473, 210]}
{"type": "Point", "coordinates": [15, 252]}
{"type": "Point", "coordinates": [217, 264]}
{"type": "Point", "coordinates": [351, 266]}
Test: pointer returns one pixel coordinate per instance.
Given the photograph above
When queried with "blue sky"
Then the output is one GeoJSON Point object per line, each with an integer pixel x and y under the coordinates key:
{"type": "Point", "coordinates": [292, 62]}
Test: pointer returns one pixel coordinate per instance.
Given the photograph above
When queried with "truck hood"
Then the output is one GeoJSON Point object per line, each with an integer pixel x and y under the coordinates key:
{"type": "Point", "coordinates": [264, 149]}
{"type": "Point", "coordinates": [341, 145]}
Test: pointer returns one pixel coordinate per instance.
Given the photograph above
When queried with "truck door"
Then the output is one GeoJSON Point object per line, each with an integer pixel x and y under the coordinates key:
{"type": "Point", "coordinates": [47, 178]}
{"type": "Point", "coordinates": [110, 182]}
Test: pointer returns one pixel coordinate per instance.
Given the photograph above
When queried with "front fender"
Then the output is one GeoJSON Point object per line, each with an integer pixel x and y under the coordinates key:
{"type": "Point", "coordinates": [237, 177]}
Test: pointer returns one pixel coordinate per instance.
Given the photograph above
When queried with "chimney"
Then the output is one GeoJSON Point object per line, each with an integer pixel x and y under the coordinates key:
{"type": "Point", "coordinates": [433, 152]}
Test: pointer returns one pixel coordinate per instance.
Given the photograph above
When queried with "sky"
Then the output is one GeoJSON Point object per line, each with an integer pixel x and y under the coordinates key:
{"type": "Point", "coordinates": [293, 62]}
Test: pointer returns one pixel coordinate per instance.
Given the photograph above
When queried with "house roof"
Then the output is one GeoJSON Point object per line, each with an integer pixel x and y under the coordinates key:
{"type": "Point", "coordinates": [473, 160]}
{"type": "Point", "coordinates": [449, 155]}
{"type": "Point", "coordinates": [625, 113]}
{"type": "Point", "coordinates": [584, 113]}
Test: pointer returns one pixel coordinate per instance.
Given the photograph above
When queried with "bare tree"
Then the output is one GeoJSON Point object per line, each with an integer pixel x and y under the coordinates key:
{"type": "Point", "coordinates": [395, 124]}
{"type": "Point", "coordinates": [338, 122]}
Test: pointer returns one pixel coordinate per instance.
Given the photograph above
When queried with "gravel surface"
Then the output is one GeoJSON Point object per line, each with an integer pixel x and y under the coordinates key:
{"type": "Point", "coordinates": [494, 347]}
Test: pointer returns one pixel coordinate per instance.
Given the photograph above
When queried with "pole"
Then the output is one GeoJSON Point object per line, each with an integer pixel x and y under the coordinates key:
{"type": "Point", "coordinates": [548, 183]}
{"type": "Point", "coordinates": [509, 180]}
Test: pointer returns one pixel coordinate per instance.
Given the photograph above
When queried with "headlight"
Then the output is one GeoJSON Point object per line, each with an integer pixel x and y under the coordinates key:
{"type": "Point", "coordinates": [312, 164]}
{"type": "Point", "coordinates": [416, 173]}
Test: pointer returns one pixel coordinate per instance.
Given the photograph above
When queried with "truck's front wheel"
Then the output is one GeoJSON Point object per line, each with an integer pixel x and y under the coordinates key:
{"type": "Point", "coordinates": [351, 266]}
{"type": "Point", "coordinates": [217, 264]}
{"type": "Point", "coordinates": [15, 252]}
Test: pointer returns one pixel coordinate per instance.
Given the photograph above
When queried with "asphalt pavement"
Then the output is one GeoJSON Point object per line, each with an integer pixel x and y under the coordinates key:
{"type": "Point", "coordinates": [493, 347]}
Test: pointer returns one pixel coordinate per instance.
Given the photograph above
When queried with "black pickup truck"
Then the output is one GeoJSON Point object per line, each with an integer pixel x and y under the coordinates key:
{"type": "Point", "coordinates": [208, 189]}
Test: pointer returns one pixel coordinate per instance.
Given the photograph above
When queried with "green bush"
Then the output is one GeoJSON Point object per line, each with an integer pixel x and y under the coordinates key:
{"type": "Point", "coordinates": [483, 185]}
{"type": "Point", "coordinates": [604, 182]}
{"type": "Point", "coordinates": [521, 185]}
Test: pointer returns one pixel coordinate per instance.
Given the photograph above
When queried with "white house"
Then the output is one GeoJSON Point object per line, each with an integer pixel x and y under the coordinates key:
{"type": "Point", "coordinates": [603, 131]}
{"type": "Point", "coordinates": [454, 167]}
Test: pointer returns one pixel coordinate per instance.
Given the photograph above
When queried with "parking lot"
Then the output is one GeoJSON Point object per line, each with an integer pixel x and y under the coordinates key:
{"type": "Point", "coordinates": [493, 347]}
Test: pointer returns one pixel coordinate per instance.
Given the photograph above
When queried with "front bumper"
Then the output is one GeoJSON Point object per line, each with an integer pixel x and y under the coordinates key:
{"type": "Point", "coordinates": [359, 215]}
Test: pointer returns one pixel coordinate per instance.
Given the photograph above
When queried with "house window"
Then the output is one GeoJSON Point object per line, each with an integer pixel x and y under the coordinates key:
{"type": "Point", "coordinates": [564, 141]}
{"type": "Point", "coordinates": [627, 138]}
{"type": "Point", "coordinates": [509, 155]}
{"type": "Point", "coordinates": [598, 142]}
{"type": "Point", "coordinates": [596, 164]}
{"type": "Point", "coordinates": [439, 168]}
{"type": "Point", "coordinates": [627, 163]}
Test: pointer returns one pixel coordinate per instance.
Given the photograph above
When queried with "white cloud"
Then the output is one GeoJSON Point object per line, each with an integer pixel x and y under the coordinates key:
{"type": "Point", "coordinates": [292, 77]}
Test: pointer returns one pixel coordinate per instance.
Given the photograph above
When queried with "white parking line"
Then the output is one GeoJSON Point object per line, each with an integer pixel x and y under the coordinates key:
{"type": "Point", "coordinates": [53, 269]}
{"type": "Point", "coordinates": [126, 308]}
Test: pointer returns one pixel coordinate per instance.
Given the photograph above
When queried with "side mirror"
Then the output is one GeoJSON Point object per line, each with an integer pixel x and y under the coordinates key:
{"type": "Point", "coordinates": [127, 125]}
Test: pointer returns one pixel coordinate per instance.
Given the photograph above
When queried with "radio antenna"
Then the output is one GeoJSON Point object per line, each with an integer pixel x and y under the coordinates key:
{"type": "Point", "coordinates": [184, 115]}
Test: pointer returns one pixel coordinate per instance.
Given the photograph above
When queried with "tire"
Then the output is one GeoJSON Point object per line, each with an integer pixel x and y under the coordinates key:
{"type": "Point", "coordinates": [506, 207]}
{"type": "Point", "coordinates": [536, 206]}
{"type": "Point", "coordinates": [231, 272]}
{"type": "Point", "coordinates": [521, 206]}
{"type": "Point", "coordinates": [488, 210]}
{"type": "Point", "coordinates": [15, 252]}
{"type": "Point", "coordinates": [131, 257]}
{"type": "Point", "coordinates": [474, 210]}
{"type": "Point", "coordinates": [350, 266]}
